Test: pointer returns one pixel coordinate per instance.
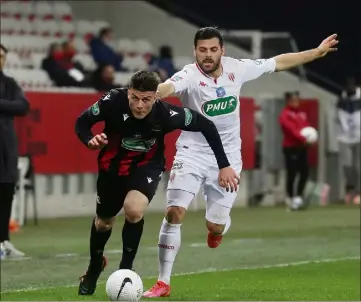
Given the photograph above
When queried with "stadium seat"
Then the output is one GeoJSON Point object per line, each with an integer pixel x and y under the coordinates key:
{"type": "Point", "coordinates": [37, 59]}
{"type": "Point", "coordinates": [23, 27]}
{"type": "Point", "coordinates": [134, 63]}
{"type": "Point", "coordinates": [86, 60]}
{"type": "Point", "coordinates": [62, 10]}
{"type": "Point", "coordinates": [7, 25]}
{"type": "Point", "coordinates": [43, 10]}
{"type": "Point", "coordinates": [67, 28]}
{"type": "Point", "coordinates": [26, 9]}
{"type": "Point", "coordinates": [80, 45]}
{"type": "Point", "coordinates": [12, 60]}
{"type": "Point", "coordinates": [143, 46]}
{"type": "Point", "coordinates": [46, 28]}
{"type": "Point", "coordinates": [84, 27]}
{"type": "Point", "coordinates": [125, 46]}
{"type": "Point", "coordinates": [122, 78]}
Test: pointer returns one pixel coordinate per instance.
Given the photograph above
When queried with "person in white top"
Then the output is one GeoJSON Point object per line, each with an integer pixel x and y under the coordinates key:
{"type": "Point", "coordinates": [211, 86]}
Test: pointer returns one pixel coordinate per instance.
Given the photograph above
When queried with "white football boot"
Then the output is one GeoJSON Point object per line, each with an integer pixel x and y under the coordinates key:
{"type": "Point", "coordinates": [11, 251]}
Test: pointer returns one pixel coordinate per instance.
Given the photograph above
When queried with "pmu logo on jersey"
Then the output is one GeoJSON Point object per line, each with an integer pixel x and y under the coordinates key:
{"type": "Point", "coordinates": [220, 106]}
{"type": "Point", "coordinates": [220, 92]}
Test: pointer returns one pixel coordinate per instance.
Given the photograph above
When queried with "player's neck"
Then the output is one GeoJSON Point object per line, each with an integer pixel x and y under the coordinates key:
{"type": "Point", "coordinates": [217, 73]}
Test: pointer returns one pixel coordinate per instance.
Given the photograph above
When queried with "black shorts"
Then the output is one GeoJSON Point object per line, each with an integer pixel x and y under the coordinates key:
{"type": "Point", "coordinates": [112, 189]}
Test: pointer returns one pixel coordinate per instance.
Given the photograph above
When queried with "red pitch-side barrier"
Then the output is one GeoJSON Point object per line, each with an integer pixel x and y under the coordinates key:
{"type": "Point", "coordinates": [47, 133]}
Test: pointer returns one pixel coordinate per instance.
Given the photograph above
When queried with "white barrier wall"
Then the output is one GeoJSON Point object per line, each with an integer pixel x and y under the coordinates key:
{"type": "Point", "coordinates": [74, 195]}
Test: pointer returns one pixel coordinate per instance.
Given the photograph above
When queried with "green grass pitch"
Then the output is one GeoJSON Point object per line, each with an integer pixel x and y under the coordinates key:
{"type": "Point", "coordinates": [268, 254]}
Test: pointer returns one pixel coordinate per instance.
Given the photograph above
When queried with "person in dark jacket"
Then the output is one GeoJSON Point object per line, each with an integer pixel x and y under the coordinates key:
{"type": "Point", "coordinates": [292, 120]}
{"type": "Point", "coordinates": [102, 51]}
{"type": "Point", "coordinates": [12, 103]}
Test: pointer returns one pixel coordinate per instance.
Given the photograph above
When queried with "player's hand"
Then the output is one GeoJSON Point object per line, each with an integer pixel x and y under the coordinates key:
{"type": "Point", "coordinates": [228, 179]}
{"type": "Point", "coordinates": [98, 142]}
{"type": "Point", "coordinates": [327, 45]}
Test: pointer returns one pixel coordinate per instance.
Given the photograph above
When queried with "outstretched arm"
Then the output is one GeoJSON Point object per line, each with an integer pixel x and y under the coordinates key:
{"type": "Point", "coordinates": [291, 60]}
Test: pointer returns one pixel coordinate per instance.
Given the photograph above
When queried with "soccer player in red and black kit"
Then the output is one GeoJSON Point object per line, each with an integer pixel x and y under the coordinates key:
{"type": "Point", "coordinates": [131, 162]}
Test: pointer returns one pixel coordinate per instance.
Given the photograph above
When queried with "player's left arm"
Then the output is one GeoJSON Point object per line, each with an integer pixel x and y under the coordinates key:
{"type": "Point", "coordinates": [189, 120]}
{"type": "Point", "coordinates": [291, 60]}
{"type": "Point", "coordinates": [96, 113]}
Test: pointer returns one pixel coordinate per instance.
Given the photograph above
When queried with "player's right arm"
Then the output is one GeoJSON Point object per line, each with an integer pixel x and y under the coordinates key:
{"type": "Point", "coordinates": [178, 83]}
{"type": "Point", "coordinates": [98, 112]}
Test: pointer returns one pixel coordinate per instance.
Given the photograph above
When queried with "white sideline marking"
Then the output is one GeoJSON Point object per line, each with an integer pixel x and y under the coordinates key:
{"type": "Point", "coordinates": [66, 255]}
{"type": "Point", "coordinates": [209, 270]}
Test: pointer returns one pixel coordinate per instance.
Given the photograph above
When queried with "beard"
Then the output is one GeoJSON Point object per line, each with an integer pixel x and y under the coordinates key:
{"type": "Point", "coordinates": [209, 65]}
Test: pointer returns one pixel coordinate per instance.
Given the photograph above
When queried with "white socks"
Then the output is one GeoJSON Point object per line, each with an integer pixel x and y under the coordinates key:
{"type": "Point", "coordinates": [227, 226]}
{"type": "Point", "coordinates": [168, 247]}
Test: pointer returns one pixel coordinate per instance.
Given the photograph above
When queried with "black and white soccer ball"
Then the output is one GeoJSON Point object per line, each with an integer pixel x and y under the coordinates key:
{"type": "Point", "coordinates": [124, 285]}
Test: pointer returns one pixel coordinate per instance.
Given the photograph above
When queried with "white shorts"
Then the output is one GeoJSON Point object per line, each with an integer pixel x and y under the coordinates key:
{"type": "Point", "coordinates": [191, 171]}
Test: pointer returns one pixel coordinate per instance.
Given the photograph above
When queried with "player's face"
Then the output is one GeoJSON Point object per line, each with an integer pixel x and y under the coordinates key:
{"type": "Point", "coordinates": [141, 103]}
{"type": "Point", "coordinates": [294, 101]}
{"type": "Point", "coordinates": [208, 54]}
{"type": "Point", "coordinates": [2, 58]}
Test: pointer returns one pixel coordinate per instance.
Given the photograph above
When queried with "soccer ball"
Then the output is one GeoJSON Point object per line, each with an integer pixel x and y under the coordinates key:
{"type": "Point", "coordinates": [310, 133]}
{"type": "Point", "coordinates": [124, 285]}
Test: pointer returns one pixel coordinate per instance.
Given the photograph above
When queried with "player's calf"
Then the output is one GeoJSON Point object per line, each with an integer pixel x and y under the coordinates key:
{"type": "Point", "coordinates": [135, 204]}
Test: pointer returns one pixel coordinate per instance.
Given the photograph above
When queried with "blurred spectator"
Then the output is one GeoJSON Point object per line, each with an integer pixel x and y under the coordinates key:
{"type": "Point", "coordinates": [103, 78]}
{"type": "Point", "coordinates": [292, 121]}
{"type": "Point", "coordinates": [68, 61]}
{"type": "Point", "coordinates": [59, 68]}
{"type": "Point", "coordinates": [165, 66]}
{"type": "Point", "coordinates": [348, 113]}
{"type": "Point", "coordinates": [12, 103]}
{"type": "Point", "coordinates": [103, 52]}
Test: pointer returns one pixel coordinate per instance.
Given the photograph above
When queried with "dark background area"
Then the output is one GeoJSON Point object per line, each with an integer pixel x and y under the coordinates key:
{"type": "Point", "coordinates": [308, 21]}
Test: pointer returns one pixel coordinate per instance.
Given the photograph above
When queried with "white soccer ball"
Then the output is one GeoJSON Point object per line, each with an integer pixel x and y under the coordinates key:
{"type": "Point", "coordinates": [310, 134]}
{"type": "Point", "coordinates": [124, 285]}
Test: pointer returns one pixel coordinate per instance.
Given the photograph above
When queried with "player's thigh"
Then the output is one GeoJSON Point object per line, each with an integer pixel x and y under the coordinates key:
{"type": "Point", "coordinates": [110, 195]}
{"type": "Point", "coordinates": [213, 192]}
{"type": "Point", "coordinates": [185, 176]}
{"type": "Point", "coordinates": [144, 180]}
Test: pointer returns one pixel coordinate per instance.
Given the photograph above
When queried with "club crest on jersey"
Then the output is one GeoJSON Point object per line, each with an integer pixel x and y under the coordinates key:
{"type": "Point", "coordinates": [220, 92]}
{"type": "Point", "coordinates": [231, 76]}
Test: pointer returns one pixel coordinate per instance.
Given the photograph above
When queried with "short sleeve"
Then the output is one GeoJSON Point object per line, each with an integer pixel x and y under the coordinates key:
{"type": "Point", "coordinates": [253, 69]}
{"type": "Point", "coordinates": [181, 79]}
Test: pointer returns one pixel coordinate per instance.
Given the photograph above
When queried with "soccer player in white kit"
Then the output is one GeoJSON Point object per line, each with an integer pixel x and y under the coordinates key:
{"type": "Point", "coordinates": [211, 86]}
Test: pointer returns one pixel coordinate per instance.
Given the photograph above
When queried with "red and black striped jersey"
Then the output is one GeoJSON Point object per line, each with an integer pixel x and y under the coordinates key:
{"type": "Point", "coordinates": [133, 142]}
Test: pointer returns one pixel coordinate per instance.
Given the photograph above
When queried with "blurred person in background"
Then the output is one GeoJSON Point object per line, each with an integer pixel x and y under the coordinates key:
{"type": "Point", "coordinates": [102, 50]}
{"type": "Point", "coordinates": [12, 103]}
{"type": "Point", "coordinates": [348, 117]}
{"type": "Point", "coordinates": [164, 63]}
{"type": "Point", "coordinates": [69, 52]}
{"type": "Point", "coordinates": [295, 149]}
{"type": "Point", "coordinates": [103, 78]}
{"type": "Point", "coordinates": [59, 70]}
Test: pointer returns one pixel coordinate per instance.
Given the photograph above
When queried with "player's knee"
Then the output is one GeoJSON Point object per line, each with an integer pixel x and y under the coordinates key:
{"type": "Point", "coordinates": [214, 228]}
{"type": "Point", "coordinates": [175, 214]}
{"type": "Point", "coordinates": [104, 224]}
{"type": "Point", "coordinates": [133, 216]}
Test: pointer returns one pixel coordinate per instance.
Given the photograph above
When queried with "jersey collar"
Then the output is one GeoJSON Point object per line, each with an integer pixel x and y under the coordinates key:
{"type": "Point", "coordinates": [208, 76]}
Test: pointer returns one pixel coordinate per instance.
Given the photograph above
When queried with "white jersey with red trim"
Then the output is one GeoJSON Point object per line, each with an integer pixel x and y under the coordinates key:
{"type": "Point", "coordinates": [217, 99]}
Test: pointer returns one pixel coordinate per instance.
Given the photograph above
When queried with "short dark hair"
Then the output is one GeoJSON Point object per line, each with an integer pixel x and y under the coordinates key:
{"type": "Point", "coordinates": [3, 48]}
{"type": "Point", "coordinates": [207, 33]}
{"type": "Point", "coordinates": [104, 31]}
{"type": "Point", "coordinates": [144, 81]}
